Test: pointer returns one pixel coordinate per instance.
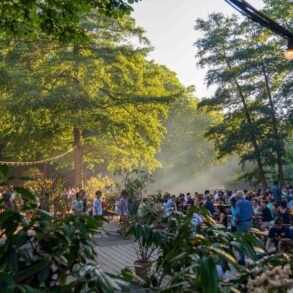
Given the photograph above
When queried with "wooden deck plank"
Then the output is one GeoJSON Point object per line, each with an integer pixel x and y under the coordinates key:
{"type": "Point", "coordinates": [108, 260]}
{"type": "Point", "coordinates": [122, 258]}
{"type": "Point", "coordinates": [113, 260]}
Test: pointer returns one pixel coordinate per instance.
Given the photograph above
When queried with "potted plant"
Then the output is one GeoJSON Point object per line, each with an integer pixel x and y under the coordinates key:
{"type": "Point", "coordinates": [145, 244]}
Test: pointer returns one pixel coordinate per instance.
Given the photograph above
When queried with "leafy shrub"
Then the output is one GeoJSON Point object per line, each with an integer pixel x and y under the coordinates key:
{"type": "Point", "coordinates": [189, 257]}
{"type": "Point", "coordinates": [41, 254]}
{"type": "Point", "coordinates": [51, 194]}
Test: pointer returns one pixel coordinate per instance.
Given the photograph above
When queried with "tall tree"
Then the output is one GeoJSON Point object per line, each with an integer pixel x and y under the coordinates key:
{"type": "Point", "coordinates": [254, 70]}
{"type": "Point", "coordinates": [103, 97]}
{"type": "Point", "coordinates": [239, 131]}
{"type": "Point", "coordinates": [263, 67]}
{"type": "Point", "coordinates": [59, 19]}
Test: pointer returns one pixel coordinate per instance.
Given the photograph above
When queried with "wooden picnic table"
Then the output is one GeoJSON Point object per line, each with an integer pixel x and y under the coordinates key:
{"type": "Point", "coordinates": [222, 204]}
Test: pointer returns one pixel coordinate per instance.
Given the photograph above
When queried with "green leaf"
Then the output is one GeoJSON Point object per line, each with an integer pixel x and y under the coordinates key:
{"type": "Point", "coordinates": [208, 275]}
{"type": "Point", "coordinates": [26, 194]}
{"type": "Point", "coordinates": [4, 170]}
{"type": "Point", "coordinates": [30, 271]}
{"type": "Point", "coordinates": [127, 274]}
{"type": "Point", "coordinates": [6, 278]}
{"type": "Point", "coordinates": [26, 289]}
{"type": "Point", "coordinates": [224, 254]}
{"type": "Point", "coordinates": [44, 213]}
{"type": "Point", "coordinates": [12, 260]}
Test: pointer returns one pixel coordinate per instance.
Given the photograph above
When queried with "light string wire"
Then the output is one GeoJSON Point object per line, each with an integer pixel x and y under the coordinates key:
{"type": "Point", "coordinates": [37, 162]}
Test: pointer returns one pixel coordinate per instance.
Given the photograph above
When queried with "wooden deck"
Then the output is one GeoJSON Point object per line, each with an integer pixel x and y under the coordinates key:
{"type": "Point", "coordinates": [114, 258]}
{"type": "Point", "coordinates": [114, 253]}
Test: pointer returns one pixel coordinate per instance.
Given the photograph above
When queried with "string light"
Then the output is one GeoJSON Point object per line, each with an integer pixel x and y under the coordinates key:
{"type": "Point", "coordinates": [28, 163]}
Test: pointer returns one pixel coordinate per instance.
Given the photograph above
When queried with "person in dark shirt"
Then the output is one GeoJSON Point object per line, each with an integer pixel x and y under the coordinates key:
{"type": "Point", "coordinates": [222, 216]}
{"type": "Point", "coordinates": [266, 217]}
{"type": "Point", "coordinates": [209, 205]}
{"type": "Point", "coordinates": [277, 233]}
{"type": "Point", "coordinates": [84, 199]}
{"type": "Point", "coordinates": [190, 200]}
{"type": "Point", "coordinates": [283, 212]}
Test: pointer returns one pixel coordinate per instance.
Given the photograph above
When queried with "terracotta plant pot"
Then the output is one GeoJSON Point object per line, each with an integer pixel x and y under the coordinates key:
{"type": "Point", "coordinates": [141, 267]}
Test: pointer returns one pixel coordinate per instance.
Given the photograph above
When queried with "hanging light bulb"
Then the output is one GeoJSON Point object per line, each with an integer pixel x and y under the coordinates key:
{"type": "Point", "coordinates": [289, 53]}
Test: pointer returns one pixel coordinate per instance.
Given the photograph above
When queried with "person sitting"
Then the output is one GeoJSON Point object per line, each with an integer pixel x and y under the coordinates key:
{"type": "Point", "coordinates": [255, 206]}
{"type": "Point", "coordinates": [190, 200]}
{"type": "Point", "coordinates": [278, 232]}
{"type": "Point", "coordinates": [196, 199]}
{"type": "Point", "coordinates": [266, 215]}
{"type": "Point", "coordinates": [215, 196]}
{"type": "Point", "coordinates": [283, 212]}
{"type": "Point", "coordinates": [221, 197]}
{"type": "Point", "coordinates": [209, 205]}
{"type": "Point", "coordinates": [180, 202]}
{"type": "Point", "coordinates": [222, 216]}
{"type": "Point", "coordinates": [271, 206]}
{"type": "Point", "coordinates": [233, 213]}
{"type": "Point", "coordinates": [230, 195]}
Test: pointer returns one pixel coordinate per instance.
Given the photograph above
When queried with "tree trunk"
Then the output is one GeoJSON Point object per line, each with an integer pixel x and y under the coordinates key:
{"type": "Point", "coordinates": [78, 167]}
{"type": "Point", "coordinates": [277, 138]}
{"type": "Point", "coordinates": [78, 170]}
{"type": "Point", "coordinates": [253, 137]}
{"type": "Point", "coordinates": [254, 142]}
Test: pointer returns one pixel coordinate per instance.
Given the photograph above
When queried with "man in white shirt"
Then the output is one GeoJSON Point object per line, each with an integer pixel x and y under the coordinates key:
{"type": "Point", "coordinates": [97, 204]}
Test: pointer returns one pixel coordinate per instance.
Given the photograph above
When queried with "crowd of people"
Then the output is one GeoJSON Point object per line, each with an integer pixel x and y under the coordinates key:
{"type": "Point", "coordinates": [270, 211]}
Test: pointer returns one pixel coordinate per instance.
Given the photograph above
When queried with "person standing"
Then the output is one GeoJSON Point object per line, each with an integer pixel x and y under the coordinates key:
{"type": "Point", "coordinates": [244, 214]}
{"type": "Point", "coordinates": [97, 204]}
{"type": "Point", "coordinates": [123, 206]}
{"type": "Point", "coordinates": [77, 205]}
{"type": "Point", "coordinates": [277, 193]}
{"type": "Point", "coordinates": [84, 200]}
